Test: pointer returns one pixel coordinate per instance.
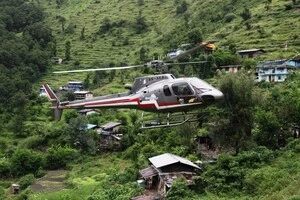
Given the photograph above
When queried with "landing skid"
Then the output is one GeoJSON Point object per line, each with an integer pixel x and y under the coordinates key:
{"type": "Point", "coordinates": [168, 120]}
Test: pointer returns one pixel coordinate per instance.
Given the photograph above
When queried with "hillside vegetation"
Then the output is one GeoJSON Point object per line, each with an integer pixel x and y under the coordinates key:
{"type": "Point", "coordinates": [253, 123]}
{"type": "Point", "coordinates": [116, 31]}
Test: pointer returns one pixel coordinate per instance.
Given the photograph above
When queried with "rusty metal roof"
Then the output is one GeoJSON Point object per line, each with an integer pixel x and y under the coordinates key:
{"type": "Point", "coordinates": [110, 125]}
{"type": "Point", "coordinates": [148, 172]}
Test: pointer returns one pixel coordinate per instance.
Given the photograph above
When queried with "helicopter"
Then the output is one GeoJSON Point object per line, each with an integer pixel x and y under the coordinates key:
{"type": "Point", "coordinates": [159, 93]}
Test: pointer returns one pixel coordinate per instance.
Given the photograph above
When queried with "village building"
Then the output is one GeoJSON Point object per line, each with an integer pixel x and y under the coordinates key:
{"type": "Point", "coordinates": [164, 170]}
{"type": "Point", "coordinates": [229, 68]}
{"type": "Point", "coordinates": [250, 53]}
{"type": "Point", "coordinates": [57, 60]}
{"type": "Point", "coordinates": [81, 95]}
{"type": "Point", "coordinates": [275, 71]}
{"type": "Point", "coordinates": [87, 112]}
{"type": "Point", "coordinates": [110, 136]}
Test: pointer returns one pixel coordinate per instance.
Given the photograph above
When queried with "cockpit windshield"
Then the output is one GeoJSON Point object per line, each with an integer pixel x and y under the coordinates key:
{"type": "Point", "coordinates": [201, 86]}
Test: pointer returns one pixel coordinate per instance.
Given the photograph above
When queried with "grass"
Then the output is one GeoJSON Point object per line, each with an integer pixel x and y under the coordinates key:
{"type": "Point", "coordinates": [86, 176]}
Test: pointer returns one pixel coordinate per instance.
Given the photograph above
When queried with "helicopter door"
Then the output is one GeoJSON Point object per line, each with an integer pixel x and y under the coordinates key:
{"type": "Point", "coordinates": [184, 93]}
{"type": "Point", "coordinates": [169, 98]}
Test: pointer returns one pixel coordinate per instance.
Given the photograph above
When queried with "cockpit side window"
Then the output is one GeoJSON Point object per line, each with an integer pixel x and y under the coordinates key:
{"type": "Point", "coordinates": [167, 90]}
{"type": "Point", "coordinates": [181, 89]}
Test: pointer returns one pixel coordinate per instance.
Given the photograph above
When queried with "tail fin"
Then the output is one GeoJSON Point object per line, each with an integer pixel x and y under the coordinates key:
{"type": "Point", "coordinates": [55, 101]}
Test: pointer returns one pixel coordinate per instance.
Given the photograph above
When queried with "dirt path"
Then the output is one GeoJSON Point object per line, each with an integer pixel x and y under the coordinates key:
{"type": "Point", "coordinates": [53, 181]}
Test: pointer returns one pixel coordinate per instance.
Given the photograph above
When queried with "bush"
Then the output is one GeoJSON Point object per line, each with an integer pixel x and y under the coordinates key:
{"type": "Point", "coordinates": [2, 192]}
{"type": "Point", "coordinates": [27, 180]}
{"type": "Point", "coordinates": [229, 17]}
{"type": "Point", "coordinates": [58, 157]}
{"type": "Point", "coordinates": [25, 161]}
{"type": "Point", "coordinates": [4, 168]}
{"type": "Point", "coordinates": [33, 142]}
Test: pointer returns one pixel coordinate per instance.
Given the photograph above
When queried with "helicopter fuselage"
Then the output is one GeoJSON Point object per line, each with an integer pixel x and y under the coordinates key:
{"type": "Point", "coordinates": [158, 93]}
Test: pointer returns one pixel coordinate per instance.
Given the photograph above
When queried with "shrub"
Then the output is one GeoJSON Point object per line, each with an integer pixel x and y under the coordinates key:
{"type": "Point", "coordinates": [229, 17]}
{"type": "Point", "coordinates": [33, 142]}
{"type": "Point", "coordinates": [27, 180]}
{"type": "Point", "coordinates": [25, 161]}
{"type": "Point", "coordinates": [4, 168]}
{"type": "Point", "coordinates": [58, 157]}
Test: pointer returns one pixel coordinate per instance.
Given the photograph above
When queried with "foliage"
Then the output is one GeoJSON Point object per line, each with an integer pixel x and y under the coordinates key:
{"type": "Point", "coordinates": [24, 161]}
{"type": "Point", "coordinates": [140, 26]}
{"type": "Point", "coordinates": [80, 137]}
{"type": "Point", "coordinates": [228, 176]}
{"type": "Point", "coordinates": [119, 192]}
{"type": "Point", "coordinates": [246, 14]}
{"type": "Point", "coordinates": [4, 168]}
{"type": "Point", "coordinates": [26, 181]}
{"type": "Point", "coordinates": [68, 50]}
{"type": "Point", "coordinates": [235, 127]}
{"type": "Point", "coordinates": [182, 8]}
{"type": "Point", "coordinates": [178, 190]}
{"type": "Point", "coordinates": [58, 157]}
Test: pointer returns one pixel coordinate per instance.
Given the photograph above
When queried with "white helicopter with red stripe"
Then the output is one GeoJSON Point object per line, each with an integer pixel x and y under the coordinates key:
{"type": "Point", "coordinates": [161, 93]}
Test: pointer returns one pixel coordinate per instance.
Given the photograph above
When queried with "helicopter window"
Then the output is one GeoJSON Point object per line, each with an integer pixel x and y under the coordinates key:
{"type": "Point", "coordinates": [167, 90]}
{"type": "Point", "coordinates": [181, 89]}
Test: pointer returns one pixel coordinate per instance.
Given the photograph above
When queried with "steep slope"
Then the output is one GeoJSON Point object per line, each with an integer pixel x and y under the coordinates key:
{"type": "Point", "coordinates": [271, 26]}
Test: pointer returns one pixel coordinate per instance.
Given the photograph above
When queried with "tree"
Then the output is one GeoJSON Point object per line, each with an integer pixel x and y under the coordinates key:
{"type": "Point", "coordinates": [62, 21]}
{"type": "Point", "coordinates": [143, 54]}
{"type": "Point", "coordinates": [80, 137]}
{"type": "Point", "coordinates": [182, 8]}
{"type": "Point", "coordinates": [268, 129]}
{"type": "Point", "coordinates": [25, 161]}
{"type": "Point", "coordinates": [68, 50]}
{"type": "Point", "coordinates": [141, 25]}
{"type": "Point", "coordinates": [246, 14]}
{"type": "Point", "coordinates": [234, 127]}
{"type": "Point", "coordinates": [82, 36]}
{"type": "Point", "coordinates": [194, 36]}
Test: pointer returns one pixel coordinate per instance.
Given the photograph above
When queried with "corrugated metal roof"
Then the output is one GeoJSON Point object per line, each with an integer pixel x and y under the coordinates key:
{"type": "Point", "coordinates": [168, 159]}
{"type": "Point", "coordinates": [148, 172]}
{"type": "Point", "coordinates": [110, 125]}
{"type": "Point", "coordinates": [250, 50]}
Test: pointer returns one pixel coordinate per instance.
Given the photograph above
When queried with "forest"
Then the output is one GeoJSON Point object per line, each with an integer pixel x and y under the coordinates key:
{"type": "Point", "coordinates": [252, 128]}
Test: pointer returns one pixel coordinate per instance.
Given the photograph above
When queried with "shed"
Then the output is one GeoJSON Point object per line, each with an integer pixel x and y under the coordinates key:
{"type": "Point", "coordinates": [251, 53]}
{"type": "Point", "coordinates": [80, 95]}
{"type": "Point", "coordinates": [109, 135]}
{"type": "Point", "coordinates": [170, 163]}
{"type": "Point", "coordinates": [230, 68]}
{"type": "Point", "coordinates": [15, 188]}
{"type": "Point", "coordinates": [165, 169]}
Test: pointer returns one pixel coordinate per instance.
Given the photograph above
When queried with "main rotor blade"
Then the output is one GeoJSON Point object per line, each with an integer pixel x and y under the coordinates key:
{"type": "Point", "coordinates": [185, 63]}
{"type": "Point", "coordinates": [97, 69]}
{"type": "Point", "coordinates": [189, 51]}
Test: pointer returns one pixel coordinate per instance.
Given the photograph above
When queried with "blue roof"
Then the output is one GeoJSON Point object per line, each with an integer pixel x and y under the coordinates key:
{"type": "Point", "coordinates": [91, 126]}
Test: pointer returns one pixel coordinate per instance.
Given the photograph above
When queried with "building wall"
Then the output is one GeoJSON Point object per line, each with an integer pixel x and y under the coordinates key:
{"type": "Point", "coordinates": [272, 74]}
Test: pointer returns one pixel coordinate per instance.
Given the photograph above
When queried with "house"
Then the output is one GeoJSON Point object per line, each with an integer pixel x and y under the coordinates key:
{"type": "Point", "coordinates": [57, 60]}
{"type": "Point", "coordinates": [87, 112]}
{"type": "Point", "coordinates": [81, 95]}
{"type": "Point", "coordinates": [164, 170]}
{"type": "Point", "coordinates": [250, 53]}
{"type": "Point", "coordinates": [229, 68]}
{"type": "Point", "coordinates": [275, 71]}
{"type": "Point", "coordinates": [109, 135]}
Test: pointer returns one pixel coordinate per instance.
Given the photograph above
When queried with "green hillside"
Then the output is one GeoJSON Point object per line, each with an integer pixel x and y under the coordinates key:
{"type": "Point", "coordinates": [271, 26]}
{"type": "Point", "coordinates": [253, 129]}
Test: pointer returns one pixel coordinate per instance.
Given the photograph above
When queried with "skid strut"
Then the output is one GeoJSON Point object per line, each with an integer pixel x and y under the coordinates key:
{"type": "Point", "coordinates": [168, 120]}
